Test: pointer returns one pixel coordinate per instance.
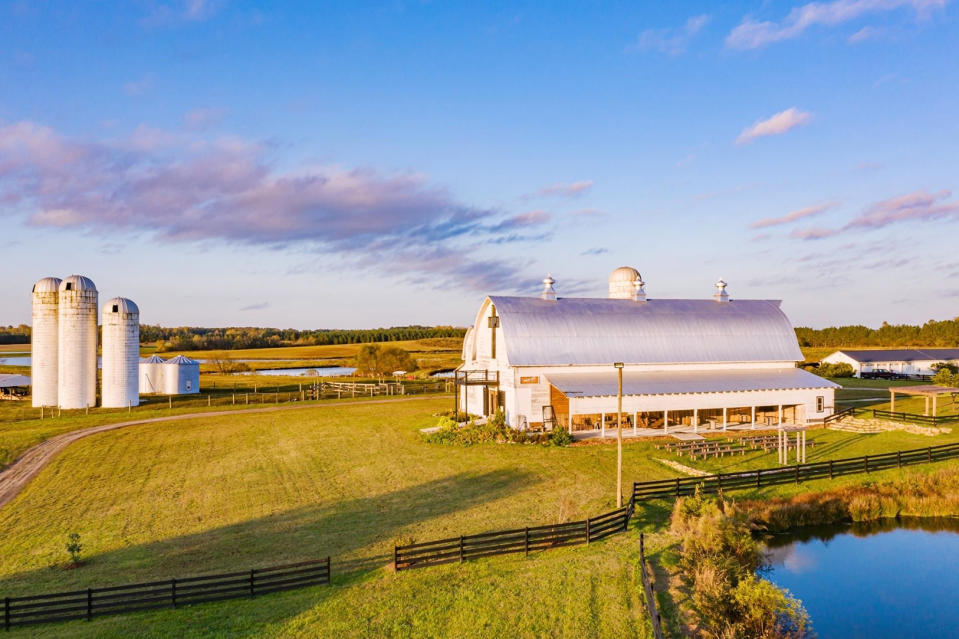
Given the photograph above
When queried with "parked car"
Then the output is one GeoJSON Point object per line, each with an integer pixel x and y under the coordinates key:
{"type": "Point", "coordinates": [881, 373]}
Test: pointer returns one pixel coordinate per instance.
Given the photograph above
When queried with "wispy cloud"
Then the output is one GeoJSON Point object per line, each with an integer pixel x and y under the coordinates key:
{"type": "Point", "coordinates": [255, 307]}
{"type": "Point", "coordinates": [180, 11]}
{"type": "Point", "coordinates": [193, 189]}
{"type": "Point", "coordinates": [139, 87]}
{"type": "Point", "coordinates": [799, 214]}
{"type": "Point", "coordinates": [566, 189]}
{"type": "Point", "coordinates": [866, 33]}
{"type": "Point", "coordinates": [776, 125]}
{"type": "Point", "coordinates": [595, 251]}
{"type": "Point", "coordinates": [916, 206]}
{"type": "Point", "coordinates": [670, 41]}
{"type": "Point", "coordinates": [587, 213]}
{"type": "Point", "coordinates": [203, 118]}
{"type": "Point", "coordinates": [752, 34]}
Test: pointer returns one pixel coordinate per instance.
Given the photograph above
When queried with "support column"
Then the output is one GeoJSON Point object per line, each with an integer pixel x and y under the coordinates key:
{"type": "Point", "coordinates": [754, 419]}
{"type": "Point", "coordinates": [779, 446]}
{"type": "Point", "coordinates": [665, 421]}
{"type": "Point", "coordinates": [804, 447]}
{"type": "Point", "coordinates": [934, 405]}
{"type": "Point", "coordinates": [635, 421]}
{"type": "Point", "coordinates": [779, 414]}
{"type": "Point", "coordinates": [927, 406]}
{"type": "Point", "coordinates": [892, 400]}
{"type": "Point", "coordinates": [724, 419]}
{"type": "Point", "coordinates": [602, 425]}
{"type": "Point", "coordinates": [695, 420]}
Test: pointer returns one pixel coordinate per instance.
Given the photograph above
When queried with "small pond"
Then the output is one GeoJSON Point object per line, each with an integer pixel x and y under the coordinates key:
{"type": "Point", "coordinates": [15, 359]}
{"type": "Point", "coordinates": [444, 374]}
{"type": "Point", "coordinates": [897, 578]}
{"type": "Point", "coordinates": [332, 371]}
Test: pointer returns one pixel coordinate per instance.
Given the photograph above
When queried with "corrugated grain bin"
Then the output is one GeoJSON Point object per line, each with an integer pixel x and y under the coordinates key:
{"type": "Point", "coordinates": [43, 340]}
{"type": "Point", "coordinates": [151, 375]}
{"type": "Point", "coordinates": [77, 342]}
{"type": "Point", "coordinates": [181, 376]}
{"type": "Point", "coordinates": [121, 354]}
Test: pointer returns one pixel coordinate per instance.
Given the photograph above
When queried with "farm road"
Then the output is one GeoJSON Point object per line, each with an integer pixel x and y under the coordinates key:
{"type": "Point", "coordinates": [16, 477]}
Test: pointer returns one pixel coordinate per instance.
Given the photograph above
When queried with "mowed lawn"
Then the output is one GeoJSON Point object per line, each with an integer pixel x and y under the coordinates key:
{"type": "Point", "coordinates": [231, 493]}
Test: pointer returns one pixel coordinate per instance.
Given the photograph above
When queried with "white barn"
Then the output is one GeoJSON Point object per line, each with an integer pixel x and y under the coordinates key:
{"type": "Point", "coordinates": [904, 361]}
{"type": "Point", "coordinates": [716, 363]}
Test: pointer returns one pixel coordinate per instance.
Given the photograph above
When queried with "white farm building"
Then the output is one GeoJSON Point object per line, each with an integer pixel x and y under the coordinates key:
{"type": "Point", "coordinates": [688, 364]}
{"type": "Point", "coordinates": [907, 361]}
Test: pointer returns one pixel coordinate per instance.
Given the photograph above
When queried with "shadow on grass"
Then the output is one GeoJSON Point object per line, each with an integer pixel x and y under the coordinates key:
{"type": "Point", "coordinates": [358, 534]}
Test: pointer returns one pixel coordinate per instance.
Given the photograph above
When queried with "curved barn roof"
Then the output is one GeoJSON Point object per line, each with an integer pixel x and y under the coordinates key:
{"type": "Point", "coordinates": [583, 331]}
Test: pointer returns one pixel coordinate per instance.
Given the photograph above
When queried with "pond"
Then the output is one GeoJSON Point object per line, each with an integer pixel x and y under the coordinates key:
{"type": "Point", "coordinates": [331, 371]}
{"type": "Point", "coordinates": [897, 578]}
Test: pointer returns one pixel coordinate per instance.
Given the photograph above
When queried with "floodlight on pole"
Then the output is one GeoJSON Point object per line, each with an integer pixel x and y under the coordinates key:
{"type": "Point", "coordinates": [619, 435]}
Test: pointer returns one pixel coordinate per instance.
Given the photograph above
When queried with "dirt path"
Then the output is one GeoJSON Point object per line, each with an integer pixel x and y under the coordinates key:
{"type": "Point", "coordinates": [16, 477]}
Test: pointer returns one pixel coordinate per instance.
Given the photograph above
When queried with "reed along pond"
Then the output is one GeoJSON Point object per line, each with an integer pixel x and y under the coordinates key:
{"type": "Point", "coordinates": [896, 578]}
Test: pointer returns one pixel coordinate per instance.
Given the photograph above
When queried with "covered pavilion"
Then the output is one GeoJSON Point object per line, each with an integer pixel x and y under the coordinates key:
{"type": "Point", "coordinates": [930, 392]}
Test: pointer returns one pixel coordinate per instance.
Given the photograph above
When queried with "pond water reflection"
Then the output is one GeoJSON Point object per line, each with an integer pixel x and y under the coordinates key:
{"type": "Point", "coordinates": [895, 578]}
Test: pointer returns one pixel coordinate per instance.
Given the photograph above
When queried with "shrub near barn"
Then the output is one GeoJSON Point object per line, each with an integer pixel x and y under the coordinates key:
{"type": "Point", "coordinates": [373, 359]}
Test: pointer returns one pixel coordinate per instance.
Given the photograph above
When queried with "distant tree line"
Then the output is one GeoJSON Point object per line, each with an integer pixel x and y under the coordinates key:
{"type": "Point", "coordinates": [932, 333]}
{"type": "Point", "coordinates": [187, 338]}
{"type": "Point", "coordinates": [15, 334]}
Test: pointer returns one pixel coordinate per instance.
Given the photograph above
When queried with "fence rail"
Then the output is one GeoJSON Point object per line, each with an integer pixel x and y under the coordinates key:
{"type": "Point", "coordinates": [170, 593]}
{"type": "Point", "coordinates": [683, 486]}
{"type": "Point", "coordinates": [654, 617]}
{"type": "Point", "coordinates": [517, 540]}
{"type": "Point", "coordinates": [931, 420]}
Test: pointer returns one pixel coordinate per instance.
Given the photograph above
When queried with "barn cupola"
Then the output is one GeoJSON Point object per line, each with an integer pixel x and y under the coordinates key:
{"type": "Point", "coordinates": [639, 290]}
{"type": "Point", "coordinates": [621, 283]}
{"type": "Point", "coordinates": [549, 293]}
{"type": "Point", "coordinates": [721, 295]}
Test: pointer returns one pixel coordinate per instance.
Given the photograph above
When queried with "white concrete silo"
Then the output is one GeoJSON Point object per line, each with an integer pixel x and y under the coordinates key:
{"type": "Point", "coordinates": [77, 343]}
{"type": "Point", "coordinates": [43, 342]}
{"type": "Point", "coordinates": [120, 386]}
{"type": "Point", "coordinates": [181, 376]}
{"type": "Point", "coordinates": [151, 375]}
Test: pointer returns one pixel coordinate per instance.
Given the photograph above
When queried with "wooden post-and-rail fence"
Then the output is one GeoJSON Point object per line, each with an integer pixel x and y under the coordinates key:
{"type": "Point", "coordinates": [648, 594]}
{"type": "Point", "coordinates": [517, 540]}
{"type": "Point", "coordinates": [747, 479]}
{"type": "Point", "coordinates": [170, 593]}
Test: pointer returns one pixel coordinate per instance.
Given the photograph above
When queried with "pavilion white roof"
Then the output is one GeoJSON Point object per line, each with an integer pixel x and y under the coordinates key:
{"type": "Point", "coordinates": [604, 384]}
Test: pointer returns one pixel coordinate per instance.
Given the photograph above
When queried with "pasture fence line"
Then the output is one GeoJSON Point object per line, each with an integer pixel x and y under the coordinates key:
{"type": "Point", "coordinates": [517, 540]}
{"type": "Point", "coordinates": [750, 479]}
{"type": "Point", "coordinates": [170, 593]}
{"type": "Point", "coordinates": [648, 595]}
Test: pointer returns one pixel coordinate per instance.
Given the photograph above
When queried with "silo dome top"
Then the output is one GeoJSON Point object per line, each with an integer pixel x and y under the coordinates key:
{"type": "Point", "coordinates": [120, 305]}
{"type": "Point", "coordinates": [47, 285]}
{"type": "Point", "coordinates": [78, 283]}
{"type": "Point", "coordinates": [624, 274]}
{"type": "Point", "coordinates": [182, 360]}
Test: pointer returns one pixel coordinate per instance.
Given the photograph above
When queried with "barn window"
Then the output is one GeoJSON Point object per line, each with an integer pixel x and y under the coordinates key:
{"type": "Point", "coordinates": [68, 287]}
{"type": "Point", "coordinates": [820, 403]}
{"type": "Point", "coordinates": [116, 308]}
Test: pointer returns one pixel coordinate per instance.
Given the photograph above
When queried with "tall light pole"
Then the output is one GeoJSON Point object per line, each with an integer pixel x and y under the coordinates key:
{"type": "Point", "coordinates": [619, 436]}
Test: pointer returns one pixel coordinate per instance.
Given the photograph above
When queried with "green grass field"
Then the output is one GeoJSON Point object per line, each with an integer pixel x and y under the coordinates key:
{"type": "Point", "coordinates": [226, 493]}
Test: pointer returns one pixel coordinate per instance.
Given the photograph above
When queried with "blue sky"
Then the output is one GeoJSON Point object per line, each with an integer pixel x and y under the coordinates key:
{"type": "Point", "coordinates": [357, 165]}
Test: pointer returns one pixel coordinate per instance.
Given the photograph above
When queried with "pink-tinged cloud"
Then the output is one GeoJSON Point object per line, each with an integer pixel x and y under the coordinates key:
{"type": "Point", "coordinates": [203, 118]}
{"type": "Point", "coordinates": [813, 233]}
{"type": "Point", "coordinates": [571, 189]}
{"type": "Point", "coordinates": [916, 206]}
{"type": "Point", "coordinates": [776, 125]}
{"type": "Point", "coordinates": [808, 211]}
{"type": "Point", "coordinates": [670, 41]}
{"type": "Point", "coordinates": [192, 189]}
{"type": "Point", "coordinates": [752, 34]}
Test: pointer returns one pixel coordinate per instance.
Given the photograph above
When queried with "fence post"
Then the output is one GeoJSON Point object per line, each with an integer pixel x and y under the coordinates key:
{"type": "Point", "coordinates": [6, 613]}
{"type": "Point", "coordinates": [929, 454]}
{"type": "Point", "coordinates": [719, 483]}
{"type": "Point", "coordinates": [677, 486]}
{"type": "Point", "coordinates": [329, 570]}
{"type": "Point", "coordinates": [461, 548]}
{"type": "Point", "coordinates": [758, 477]}
{"type": "Point", "coordinates": [797, 473]}
{"type": "Point", "coordinates": [526, 542]}
{"type": "Point", "coordinates": [395, 559]}
{"type": "Point", "coordinates": [173, 591]}
{"type": "Point", "coordinates": [866, 462]}
{"type": "Point", "coordinates": [899, 458]}
{"type": "Point", "coordinates": [830, 469]}
{"type": "Point", "coordinates": [252, 573]}
{"type": "Point", "coordinates": [587, 531]}
{"type": "Point", "coordinates": [89, 604]}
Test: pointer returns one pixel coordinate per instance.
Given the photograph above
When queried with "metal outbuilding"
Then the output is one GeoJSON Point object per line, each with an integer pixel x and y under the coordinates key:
{"type": "Point", "coordinates": [181, 376]}
{"type": "Point", "coordinates": [151, 375]}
